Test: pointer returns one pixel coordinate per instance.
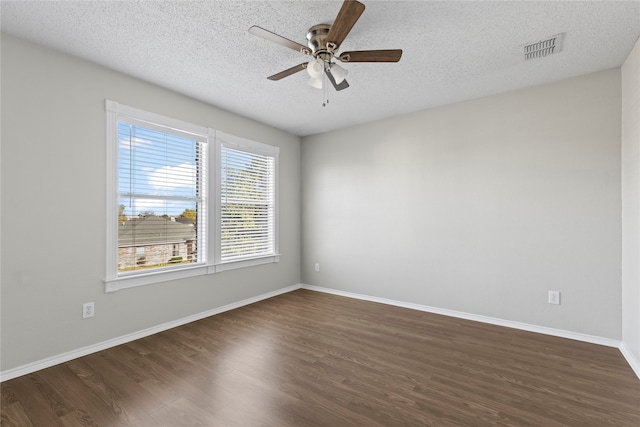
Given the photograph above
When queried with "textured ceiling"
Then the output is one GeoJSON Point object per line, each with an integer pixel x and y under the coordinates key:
{"type": "Point", "coordinates": [453, 50]}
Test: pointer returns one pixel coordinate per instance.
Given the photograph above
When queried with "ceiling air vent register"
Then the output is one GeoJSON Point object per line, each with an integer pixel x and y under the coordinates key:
{"type": "Point", "coordinates": [543, 48]}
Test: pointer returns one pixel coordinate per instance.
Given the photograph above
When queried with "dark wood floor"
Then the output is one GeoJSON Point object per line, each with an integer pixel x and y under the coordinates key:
{"type": "Point", "coordinates": [313, 359]}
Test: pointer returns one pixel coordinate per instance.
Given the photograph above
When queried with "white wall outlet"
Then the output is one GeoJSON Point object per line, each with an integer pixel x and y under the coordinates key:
{"type": "Point", "coordinates": [554, 297]}
{"type": "Point", "coordinates": [88, 310]}
{"type": "Point", "coordinates": [317, 266]}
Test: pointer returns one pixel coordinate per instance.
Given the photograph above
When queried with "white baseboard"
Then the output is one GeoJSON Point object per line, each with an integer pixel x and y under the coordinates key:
{"type": "Point", "coordinates": [478, 318]}
{"type": "Point", "coordinates": [65, 357]}
{"type": "Point", "coordinates": [475, 317]}
{"type": "Point", "coordinates": [631, 359]}
{"type": "Point", "coordinates": [74, 354]}
{"type": "Point", "coordinates": [633, 362]}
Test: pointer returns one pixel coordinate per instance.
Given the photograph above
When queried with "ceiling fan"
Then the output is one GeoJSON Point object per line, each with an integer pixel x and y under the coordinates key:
{"type": "Point", "coordinates": [323, 43]}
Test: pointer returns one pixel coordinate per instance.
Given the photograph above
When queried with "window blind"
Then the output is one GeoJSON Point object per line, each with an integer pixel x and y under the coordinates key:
{"type": "Point", "coordinates": [247, 204]}
{"type": "Point", "coordinates": [161, 189]}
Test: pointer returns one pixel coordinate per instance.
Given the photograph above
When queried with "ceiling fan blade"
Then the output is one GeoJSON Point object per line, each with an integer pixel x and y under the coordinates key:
{"type": "Point", "coordinates": [385, 55]}
{"type": "Point", "coordinates": [288, 72]}
{"type": "Point", "coordinates": [343, 84]}
{"type": "Point", "coordinates": [346, 19]}
{"type": "Point", "coordinates": [275, 38]}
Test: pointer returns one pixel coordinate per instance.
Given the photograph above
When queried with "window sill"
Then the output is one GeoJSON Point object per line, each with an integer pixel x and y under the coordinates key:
{"type": "Point", "coordinates": [135, 280]}
{"type": "Point", "coordinates": [232, 265]}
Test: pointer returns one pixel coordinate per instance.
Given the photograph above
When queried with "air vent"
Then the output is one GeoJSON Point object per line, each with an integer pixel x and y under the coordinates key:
{"type": "Point", "coordinates": [543, 48]}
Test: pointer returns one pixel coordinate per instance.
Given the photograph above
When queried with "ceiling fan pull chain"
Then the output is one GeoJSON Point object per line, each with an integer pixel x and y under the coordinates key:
{"type": "Point", "coordinates": [326, 90]}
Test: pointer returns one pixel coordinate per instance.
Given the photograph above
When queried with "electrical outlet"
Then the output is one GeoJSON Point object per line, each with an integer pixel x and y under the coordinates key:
{"type": "Point", "coordinates": [88, 310]}
{"type": "Point", "coordinates": [554, 297]}
{"type": "Point", "coordinates": [317, 266]}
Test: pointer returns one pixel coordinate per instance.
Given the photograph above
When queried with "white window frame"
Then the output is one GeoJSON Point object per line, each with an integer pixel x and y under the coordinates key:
{"type": "Point", "coordinates": [211, 257]}
{"type": "Point", "coordinates": [253, 147]}
{"type": "Point", "coordinates": [117, 112]}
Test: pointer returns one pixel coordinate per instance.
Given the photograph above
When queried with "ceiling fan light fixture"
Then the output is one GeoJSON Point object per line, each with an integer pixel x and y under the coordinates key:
{"type": "Point", "coordinates": [316, 82]}
{"type": "Point", "coordinates": [338, 73]}
{"type": "Point", "coordinates": [315, 68]}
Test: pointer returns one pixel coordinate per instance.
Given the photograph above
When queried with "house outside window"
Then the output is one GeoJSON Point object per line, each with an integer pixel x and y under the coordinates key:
{"type": "Point", "coordinates": [139, 257]}
{"type": "Point", "coordinates": [165, 242]}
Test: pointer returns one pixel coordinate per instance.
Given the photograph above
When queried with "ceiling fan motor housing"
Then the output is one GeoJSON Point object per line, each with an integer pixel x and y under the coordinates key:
{"type": "Point", "coordinates": [317, 41]}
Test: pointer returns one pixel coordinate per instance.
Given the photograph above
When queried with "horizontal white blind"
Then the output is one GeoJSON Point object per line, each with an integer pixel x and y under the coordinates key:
{"type": "Point", "coordinates": [160, 195]}
{"type": "Point", "coordinates": [247, 204]}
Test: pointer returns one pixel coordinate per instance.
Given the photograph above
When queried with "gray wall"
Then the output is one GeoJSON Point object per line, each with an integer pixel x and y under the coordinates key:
{"type": "Point", "coordinates": [480, 207]}
{"type": "Point", "coordinates": [54, 206]}
{"type": "Point", "coordinates": [631, 203]}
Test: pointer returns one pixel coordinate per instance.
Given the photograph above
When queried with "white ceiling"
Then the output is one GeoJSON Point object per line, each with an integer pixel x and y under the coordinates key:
{"type": "Point", "coordinates": [453, 50]}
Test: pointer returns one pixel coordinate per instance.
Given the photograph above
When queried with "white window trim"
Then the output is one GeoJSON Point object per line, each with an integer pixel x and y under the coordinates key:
{"type": "Point", "coordinates": [212, 264]}
{"type": "Point", "coordinates": [253, 147]}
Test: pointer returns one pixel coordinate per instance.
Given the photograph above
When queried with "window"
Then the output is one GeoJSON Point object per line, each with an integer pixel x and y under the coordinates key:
{"type": "Point", "coordinates": [167, 183]}
{"type": "Point", "coordinates": [247, 204]}
{"type": "Point", "coordinates": [160, 182]}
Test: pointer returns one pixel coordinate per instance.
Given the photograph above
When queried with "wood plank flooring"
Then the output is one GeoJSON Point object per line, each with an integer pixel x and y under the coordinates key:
{"type": "Point", "coordinates": [312, 359]}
